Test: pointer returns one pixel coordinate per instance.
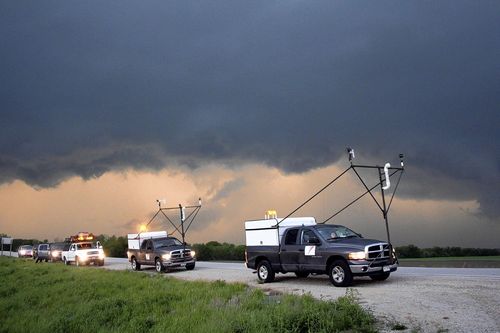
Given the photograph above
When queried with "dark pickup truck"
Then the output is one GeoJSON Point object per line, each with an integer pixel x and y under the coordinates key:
{"type": "Point", "coordinates": [304, 248]}
{"type": "Point", "coordinates": [163, 253]}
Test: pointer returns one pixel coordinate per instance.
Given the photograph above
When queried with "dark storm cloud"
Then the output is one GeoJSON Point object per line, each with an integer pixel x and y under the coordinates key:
{"type": "Point", "coordinates": [89, 87]}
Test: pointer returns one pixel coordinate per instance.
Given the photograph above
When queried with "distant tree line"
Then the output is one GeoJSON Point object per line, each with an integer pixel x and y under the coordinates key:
{"type": "Point", "coordinates": [115, 247]}
{"type": "Point", "coordinates": [413, 251]}
{"type": "Point", "coordinates": [216, 251]}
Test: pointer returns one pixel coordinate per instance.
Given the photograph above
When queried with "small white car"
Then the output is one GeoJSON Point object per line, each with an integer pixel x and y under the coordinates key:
{"type": "Point", "coordinates": [25, 251]}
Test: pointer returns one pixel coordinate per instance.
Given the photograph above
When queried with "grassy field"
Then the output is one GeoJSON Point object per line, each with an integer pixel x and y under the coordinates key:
{"type": "Point", "coordinates": [57, 298]}
{"type": "Point", "coordinates": [465, 262]}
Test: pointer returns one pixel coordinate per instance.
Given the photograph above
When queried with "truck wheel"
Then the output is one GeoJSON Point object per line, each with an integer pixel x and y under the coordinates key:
{"type": "Point", "coordinates": [158, 266]}
{"type": "Point", "coordinates": [135, 265]}
{"type": "Point", "coordinates": [380, 277]}
{"type": "Point", "coordinates": [100, 262]}
{"type": "Point", "coordinates": [66, 262]}
{"type": "Point", "coordinates": [340, 274]}
{"type": "Point", "coordinates": [265, 272]}
{"type": "Point", "coordinates": [190, 267]}
{"type": "Point", "coordinates": [77, 262]}
{"type": "Point", "coordinates": [302, 274]}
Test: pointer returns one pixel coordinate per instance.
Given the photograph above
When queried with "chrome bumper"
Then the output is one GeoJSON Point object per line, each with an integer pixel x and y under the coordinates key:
{"type": "Point", "coordinates": [178, 263]}
{"type": "Point", "coordinates": [363, 269]}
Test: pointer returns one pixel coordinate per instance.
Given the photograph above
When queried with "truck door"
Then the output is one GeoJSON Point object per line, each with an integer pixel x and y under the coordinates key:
{"type": "Point", "coordinates": [290, 250]}
{"type": "Point", "coordinates": [71, 252]}
{"type": "Point", "coordinates": [311, 258]}
{"type": "Point", "coordinates": [147, 253]}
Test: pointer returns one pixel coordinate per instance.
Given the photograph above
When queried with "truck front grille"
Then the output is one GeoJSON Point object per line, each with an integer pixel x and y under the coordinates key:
{"type": "Point", "coordinates": [180, 255]}
{"type": "Point", "coordinates": [378, 251]}
{"type": "Point", "coordinates": [92, 252]}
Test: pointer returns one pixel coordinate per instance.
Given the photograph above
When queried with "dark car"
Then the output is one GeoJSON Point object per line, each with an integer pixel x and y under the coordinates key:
{"type": "Point", "coordinates": [56, 250]}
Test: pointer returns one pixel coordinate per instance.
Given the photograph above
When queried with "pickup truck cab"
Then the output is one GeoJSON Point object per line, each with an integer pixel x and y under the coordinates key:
{"type": "Point", "coordinates": [301, 246]}
{"type": "Point", "coordinates": [83, 253]}
{"type": "Point", "coordinates": [159, 250]}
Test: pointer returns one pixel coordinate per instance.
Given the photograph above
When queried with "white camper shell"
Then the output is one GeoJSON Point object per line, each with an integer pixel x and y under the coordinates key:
{"type": "Point", "coordinates": [135, 240]}
{"type": "Point", "coordinates": [268, 233]}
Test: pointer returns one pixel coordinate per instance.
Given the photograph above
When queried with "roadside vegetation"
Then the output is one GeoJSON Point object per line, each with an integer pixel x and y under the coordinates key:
{"type": "Point", "coordinates": [412, 251]}
{"type": "Point", "coordinates": [57, 298]}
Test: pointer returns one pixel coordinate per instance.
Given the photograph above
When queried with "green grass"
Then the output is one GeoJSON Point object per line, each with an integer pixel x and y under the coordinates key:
{"type": "Point", "coordinates": [56, 298]}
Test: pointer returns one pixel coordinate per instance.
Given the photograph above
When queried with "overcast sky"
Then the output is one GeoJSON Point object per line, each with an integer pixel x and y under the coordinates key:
{"type": "Point", "coordinates": [94, 92]}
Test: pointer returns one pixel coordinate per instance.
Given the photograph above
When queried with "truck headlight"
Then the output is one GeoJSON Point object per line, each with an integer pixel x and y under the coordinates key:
{"type": "Point", "coordinates": [357, 255]}
{"type": "Point", "coordinates": [193, 253]}
{"type": "Point", "coordinates": [101, 255]}
{"type": "Point", "coordinates": [55, 254]}
{"type": "Point", "coordinates": [166, 256]}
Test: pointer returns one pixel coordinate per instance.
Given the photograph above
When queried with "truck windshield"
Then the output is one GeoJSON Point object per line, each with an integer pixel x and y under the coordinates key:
{"type": "Point", "coordinates": [166, 242]}
{"type": "Point", "coordinates": [81, 246]}
{"type": "Point", "coordinates": [336, 232]}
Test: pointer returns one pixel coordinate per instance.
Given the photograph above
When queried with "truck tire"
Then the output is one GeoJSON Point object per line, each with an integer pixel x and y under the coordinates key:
{"type": "Point", "coordinates": [265, 272]}
{"type": "Point", "coordinates": [100, 262]}
{"type": "Point", "coordinates": [340, 274]}
{"type": "Point", "coordinates": [77, 262]}
{"type": "Point", "coordinates": [158, 266]}
{"type": "Point", "coordinates": [135, 265]}
{"type": "Point", "coordinates": [190, 267]}
{"type": "Point", "coordinates": [302, 274]}
{"type": "Point", "coordinates": [66, 262]}
{"type": "Point", "coordinates": [380, 277]}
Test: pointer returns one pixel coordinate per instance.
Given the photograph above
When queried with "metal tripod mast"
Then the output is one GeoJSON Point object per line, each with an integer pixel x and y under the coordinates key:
{"type": "Point", "coordinates": [384, 174]}
{"type": "Point", "coordinates": [181, 228]}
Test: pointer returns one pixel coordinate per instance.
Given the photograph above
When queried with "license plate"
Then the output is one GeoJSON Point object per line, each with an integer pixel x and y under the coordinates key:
{"type": "Point", "coordinates": [387, 268]}
{"type": "Point", "coordinates": [182, 265]}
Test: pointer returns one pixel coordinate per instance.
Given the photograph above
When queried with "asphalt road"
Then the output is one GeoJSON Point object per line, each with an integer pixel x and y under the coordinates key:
{"type": "Point", "coordinates": [490, 273]}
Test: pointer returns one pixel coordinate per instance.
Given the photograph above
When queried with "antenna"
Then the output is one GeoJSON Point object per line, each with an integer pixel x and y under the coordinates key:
{"type": "Point", "coordinates": [160, 202]}
{"type": "Point", "coordinates": [386, 174]}
{"type": "Point", "coordinates": [350, 152]}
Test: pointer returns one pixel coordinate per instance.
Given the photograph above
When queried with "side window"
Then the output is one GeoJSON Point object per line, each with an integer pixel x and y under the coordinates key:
{"type": "Point", "coordinates": [150, 245]}
{"type": "Point", "coordinates": [291, 236]}
{"type": "Point", "coordinates": [144, 244]}
{"type": "Point", "coordinates": [308, 235]}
